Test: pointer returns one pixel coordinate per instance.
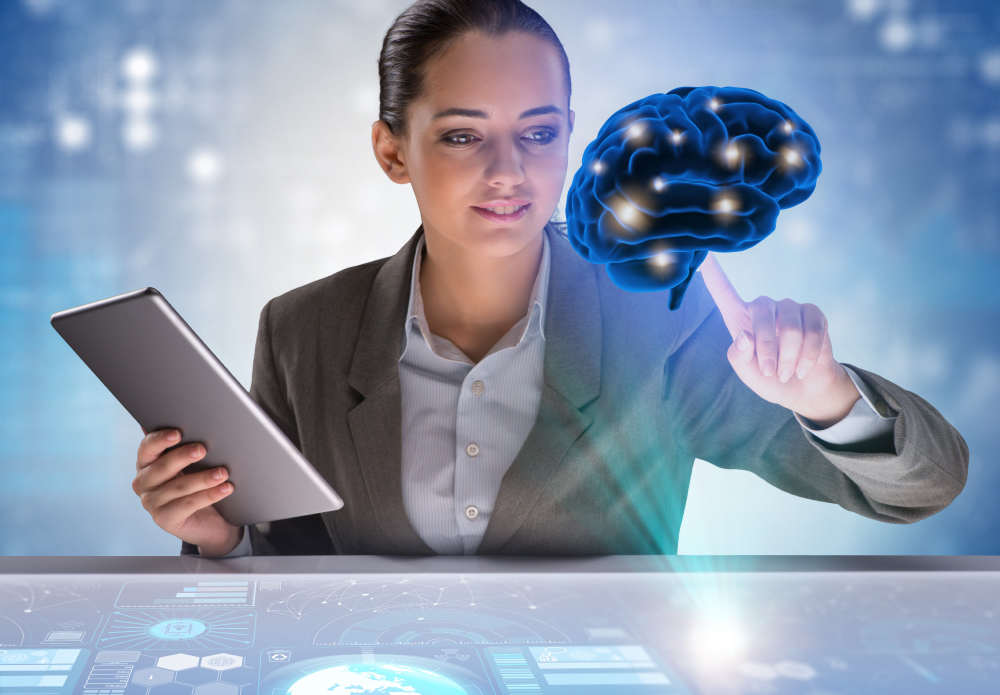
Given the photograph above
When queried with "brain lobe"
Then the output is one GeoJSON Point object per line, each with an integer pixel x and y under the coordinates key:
{"type": "Point", "coordinates": [674, 176]}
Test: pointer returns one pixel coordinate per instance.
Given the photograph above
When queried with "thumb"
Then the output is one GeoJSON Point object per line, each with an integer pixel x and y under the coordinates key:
{"type": "Point", "coordinates": [741, 356]}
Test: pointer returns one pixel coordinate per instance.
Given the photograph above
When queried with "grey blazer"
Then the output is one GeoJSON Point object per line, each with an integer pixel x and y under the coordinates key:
{"type": "Point", "coordinates": [633, 393]}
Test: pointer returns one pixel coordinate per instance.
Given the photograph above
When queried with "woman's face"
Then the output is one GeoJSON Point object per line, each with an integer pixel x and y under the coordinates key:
{"type": "Point", "coordinates": [491, 128]}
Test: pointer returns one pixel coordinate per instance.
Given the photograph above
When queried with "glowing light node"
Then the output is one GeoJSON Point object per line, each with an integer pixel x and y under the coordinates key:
{"type": "Point", "coordinates": [659, 184]}
{"type": "Point", "coordinates": [662, 260]}
{"type": "Point", "coordinates": [627, 213]}
{"type": "Point", "coordinates": [714, 104]}
{"type": "Point", "coordinates": [677, 136]}
{"type": "Point", "coordinates": [598, 167]}
{"type": "Point", "coordinates": [788, 127]}
{"type": "Point", "coordinates": [792, 157]}
{"type": "Point", "coordinates": [726, 205]}
{"type": "Point", "coordinates": [732, 154]}
{"type": "Point", "coordinates": [635, 130]}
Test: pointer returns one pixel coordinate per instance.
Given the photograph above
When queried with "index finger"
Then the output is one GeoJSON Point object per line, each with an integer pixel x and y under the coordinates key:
{"type": "Point", "coordinates": [732, 306]}
{"type": "Point", "coordinates": [153, 444]}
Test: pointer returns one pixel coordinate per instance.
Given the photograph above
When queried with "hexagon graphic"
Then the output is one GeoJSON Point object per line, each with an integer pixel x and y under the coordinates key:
{"type": "Point", "coordinates": [174, 688]}
{"type": "Point", "coordinates": [177, 662]}
{"type": "Point", "coordinates": [197, 676]}
{"type": "Point", "coordinates": [152, 676]}
{"type": "Point", "coordinates": [222, 662]}
{"type": "Point", "coordinates": [217, 688]}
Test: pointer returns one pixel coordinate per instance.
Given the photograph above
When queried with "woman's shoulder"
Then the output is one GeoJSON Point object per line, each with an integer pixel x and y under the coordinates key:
{"type": "Point", "coordinates": [349, 287]}
{"type": "Point", "coordinates": [335, 300]}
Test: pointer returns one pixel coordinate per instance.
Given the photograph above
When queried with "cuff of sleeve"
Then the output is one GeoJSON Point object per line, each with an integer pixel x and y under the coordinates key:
{"type": "Point", "coordinates": [869, 418]}
{"type": "Point", "coordinates": [242, 550]}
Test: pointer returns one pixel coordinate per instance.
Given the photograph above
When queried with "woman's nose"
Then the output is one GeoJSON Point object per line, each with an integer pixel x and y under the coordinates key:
{"type": "Point", "coordinates": [504, 167]}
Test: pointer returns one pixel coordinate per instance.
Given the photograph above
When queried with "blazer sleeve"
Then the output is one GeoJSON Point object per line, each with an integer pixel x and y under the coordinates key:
{"type": "Point", "coordinates": [303, 535]}
{"type": "Point", "coordinates": [911, 472]}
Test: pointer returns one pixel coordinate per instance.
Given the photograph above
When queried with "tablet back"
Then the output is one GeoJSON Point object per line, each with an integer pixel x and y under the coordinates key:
{"type": "Point", "coordinates": [165, 376]}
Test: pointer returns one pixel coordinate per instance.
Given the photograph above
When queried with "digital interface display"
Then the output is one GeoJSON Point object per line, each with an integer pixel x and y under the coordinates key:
{"type": "Point", "coordinates": [501, 634]}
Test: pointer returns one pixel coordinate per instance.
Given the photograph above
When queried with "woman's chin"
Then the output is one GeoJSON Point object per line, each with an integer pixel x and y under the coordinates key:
{"type": "Point", "coordinates": [497, 241]}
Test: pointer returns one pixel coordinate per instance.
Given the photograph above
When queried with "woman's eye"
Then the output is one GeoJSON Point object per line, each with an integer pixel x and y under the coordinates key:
{"type": "Point", "coordinates": [459, 138]}
{"type": "Point", "coordinates": [541, 137]}
{"type": "Point", "coordinates": [538, 137]}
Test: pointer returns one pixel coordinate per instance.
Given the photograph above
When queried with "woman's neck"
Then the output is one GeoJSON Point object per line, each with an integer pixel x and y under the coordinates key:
{"type": "Point", "coordinates": [471, 299]}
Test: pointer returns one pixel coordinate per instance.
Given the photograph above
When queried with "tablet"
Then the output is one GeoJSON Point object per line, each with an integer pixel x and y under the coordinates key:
{"type": "Point", "coordinates": [165, 376]}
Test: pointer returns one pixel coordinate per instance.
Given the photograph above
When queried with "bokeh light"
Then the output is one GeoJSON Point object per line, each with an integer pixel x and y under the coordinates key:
{"type": "Point", "coordinates": [73, 133]}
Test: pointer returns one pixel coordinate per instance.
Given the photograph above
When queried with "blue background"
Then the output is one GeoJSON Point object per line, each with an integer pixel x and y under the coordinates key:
{"type": "Point", "coordinates": [221, 153]}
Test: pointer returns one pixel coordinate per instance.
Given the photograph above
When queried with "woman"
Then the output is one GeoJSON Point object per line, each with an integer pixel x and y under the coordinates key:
{"type": "Point", "coordinates": [486, 390]}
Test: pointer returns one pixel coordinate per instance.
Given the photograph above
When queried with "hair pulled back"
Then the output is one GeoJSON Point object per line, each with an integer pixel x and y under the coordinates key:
{"type": "Point", "coordinates": [427, 27]}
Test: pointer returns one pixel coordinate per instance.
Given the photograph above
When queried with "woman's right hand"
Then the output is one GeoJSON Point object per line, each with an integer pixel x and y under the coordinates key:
{"type": "Point", "coordinates": [181, 504]}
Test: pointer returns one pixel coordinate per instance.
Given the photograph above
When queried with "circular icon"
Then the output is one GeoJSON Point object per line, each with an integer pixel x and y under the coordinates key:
{"type": "Point", "coordinates": [179, 629]}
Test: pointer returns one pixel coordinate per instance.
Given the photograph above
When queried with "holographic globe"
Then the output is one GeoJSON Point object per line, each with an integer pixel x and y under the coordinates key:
{"type": "Point", "coordinates": [674, 176]}
{"type": "Point", "coordinates": [357, 678]}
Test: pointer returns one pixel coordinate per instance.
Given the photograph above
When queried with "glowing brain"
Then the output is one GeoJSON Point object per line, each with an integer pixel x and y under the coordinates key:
{"type": "Point", "coordinates": [674, 176]}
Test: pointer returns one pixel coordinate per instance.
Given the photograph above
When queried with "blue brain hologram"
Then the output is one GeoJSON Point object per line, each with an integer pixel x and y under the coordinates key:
{"type": "Point", "coordinates": [673, 176]}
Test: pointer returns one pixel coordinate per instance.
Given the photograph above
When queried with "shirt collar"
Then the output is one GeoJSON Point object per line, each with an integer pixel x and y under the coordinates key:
{"type": "Point", "coordinates": [539, 296]}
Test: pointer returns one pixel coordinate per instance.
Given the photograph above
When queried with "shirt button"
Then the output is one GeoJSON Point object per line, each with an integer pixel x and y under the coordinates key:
{"type": "Point", "coordinates": [471, 512]}
{"type": "Point", "coordinates": [472, 450]}
{"type": "Point", "coordinates": [478, 387]}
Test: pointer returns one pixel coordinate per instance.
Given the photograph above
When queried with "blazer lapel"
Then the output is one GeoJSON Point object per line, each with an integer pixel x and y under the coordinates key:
{"type": "Point", "coordinates": [376, 422]}
{"type": "Point", "coordinates": [572, 378]}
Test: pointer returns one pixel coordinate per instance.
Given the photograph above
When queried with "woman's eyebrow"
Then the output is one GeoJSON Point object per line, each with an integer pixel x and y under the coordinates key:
{"type": "Point", "coordinates": [472, 113]}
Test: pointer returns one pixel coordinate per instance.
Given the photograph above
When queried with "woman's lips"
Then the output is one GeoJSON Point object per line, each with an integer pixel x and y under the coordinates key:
{"type": "Point", "coordinates": [494, 217]}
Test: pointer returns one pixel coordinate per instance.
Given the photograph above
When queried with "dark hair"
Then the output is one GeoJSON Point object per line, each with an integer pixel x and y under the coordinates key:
{"type": "Point", "coordinates": [427, 27]}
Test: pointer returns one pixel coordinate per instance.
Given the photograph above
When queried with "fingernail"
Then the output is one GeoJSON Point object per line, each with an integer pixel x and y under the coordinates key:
{"type": "Point", "coordinates": [219, 473]}
{"type": "Point", "coordinates": [196, 450]}
{"type": "Point", "coordinates": [768, 367]}
{"type": "Point", "coordinates": [801, 373]}
{"type": "Point", "coordinates": [742, 342]}
{"type": "Point", "coordinates": [785, 375]}
{"type": "Point", "coordinates": [172, 436]}
{"type": "Point", "coordinates": [226, 488]}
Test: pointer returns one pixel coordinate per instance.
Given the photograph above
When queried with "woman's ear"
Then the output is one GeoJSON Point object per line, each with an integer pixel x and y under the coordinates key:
{"type": "Point", "coordinates": [389, 153]}
{"type": "Point", "coordinates": [572, 119]}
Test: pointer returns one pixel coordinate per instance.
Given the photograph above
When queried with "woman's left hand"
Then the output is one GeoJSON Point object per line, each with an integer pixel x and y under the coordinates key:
{"type": "Point", "coordinates": [794, 365]}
